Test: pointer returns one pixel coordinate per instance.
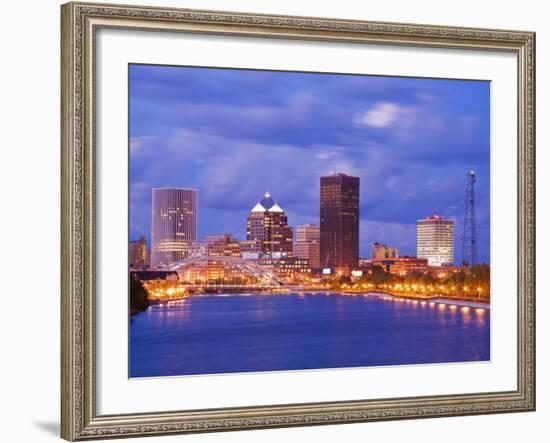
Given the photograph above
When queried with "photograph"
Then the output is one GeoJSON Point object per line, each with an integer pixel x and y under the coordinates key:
{"type": "Point", "coordinates": [274, 219]}
{"type": "Point", "coordinates": [285, 221]}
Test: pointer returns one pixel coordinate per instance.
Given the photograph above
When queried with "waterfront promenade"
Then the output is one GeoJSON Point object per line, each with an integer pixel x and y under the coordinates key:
{"type": "Point", "coordinates": [278, 290]}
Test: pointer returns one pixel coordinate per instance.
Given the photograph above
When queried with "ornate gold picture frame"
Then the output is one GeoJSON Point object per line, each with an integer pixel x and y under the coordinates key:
{"type": "Point", "coordinates": [80, 22]}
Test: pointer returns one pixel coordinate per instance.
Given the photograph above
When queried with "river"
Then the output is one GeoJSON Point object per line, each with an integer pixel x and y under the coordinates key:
{"type": "Point", "coordinates": [225, 333]}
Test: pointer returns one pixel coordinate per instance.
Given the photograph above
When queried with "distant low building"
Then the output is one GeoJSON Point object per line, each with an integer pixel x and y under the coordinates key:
{"type": "Point", "coordinates": [197, 249]}
{"type": "Point", "coordinates": [139, 254]}
{"type": "Point", "coordinates": [287, 268]}
{"type": "Point", "coordinates": [223, 245]}
{"type": "Point", "coordinates": [209, 271]}
{"type": "Point", "coordinates": [444, 271]}
{"type": "Point", "coordinates": [381, 251]}
{"type": "Point", "coordinates": [161, 285]}
{"type": "Point", "coordinates": [251, 247]}
{"type": "Point", "coordinates": [402, 265]}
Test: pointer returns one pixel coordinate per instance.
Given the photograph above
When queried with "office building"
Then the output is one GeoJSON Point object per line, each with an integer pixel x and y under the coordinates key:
{"type": "Point", "coordinates": [197, 249]}
{"type": "Point", "coordinates": [339, 228]}
{"type": "Point", "coordinates": [435, 240]}
{"type": "Point", "coordinates": [402, 265]}
{"type": "Point", "coordinates": [138, 254]}
{"type": "Point", "coordinates": [307, 244]}
{"type": "Point", "coordinates": [205, 272]}
{"type": "Point", "coordinates": [223, 245]}
{"type": "Point", "coordinates": [381, 251]}
{"type": "Point", "coordinates": [173, 224]}
{"type": "Point", "coordinates": [251, 247]}
{"type": "Point", "coordinates": [267, 224]}
{"type": "Point", "coordinates": [291, 269]}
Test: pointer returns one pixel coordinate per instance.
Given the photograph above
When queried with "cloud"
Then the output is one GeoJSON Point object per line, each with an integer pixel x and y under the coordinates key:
{"type": "Point", "coordinates": [138, 142]}
{"type": "Point", "coordinates": [381, 115]}
{"type": "Point", "coordinates": [235, 173]}
{"type": "Point", "coordinates": [232, 175]}
{"type": "Point", "coordinates": [235, 134]}
{"type": "Point", "coordinates": [425, 96]}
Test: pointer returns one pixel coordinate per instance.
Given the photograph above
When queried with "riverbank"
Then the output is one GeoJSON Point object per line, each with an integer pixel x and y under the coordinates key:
{"type": "Point", "coordinates": [158, 301]}
{"type": "Point", "coordinates": [327, 292]}
{"type": "Point", "coordinates": [439, 299]}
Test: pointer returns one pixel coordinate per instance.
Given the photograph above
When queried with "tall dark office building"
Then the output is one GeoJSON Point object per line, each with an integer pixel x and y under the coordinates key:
{"type": "Point", "coordinates": [339, 222]}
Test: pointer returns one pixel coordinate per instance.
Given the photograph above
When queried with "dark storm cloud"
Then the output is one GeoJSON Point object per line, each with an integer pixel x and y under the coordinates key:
{"type": "Point", "coordinates": [234, 134]}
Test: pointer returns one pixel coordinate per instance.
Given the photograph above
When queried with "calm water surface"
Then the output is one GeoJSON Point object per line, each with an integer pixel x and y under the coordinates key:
{"type": "Point", "coordinates": [243, 333]}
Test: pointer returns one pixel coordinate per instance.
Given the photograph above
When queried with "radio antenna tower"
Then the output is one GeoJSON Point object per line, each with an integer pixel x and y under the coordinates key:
{"type": "Point", "coordinates": [469, 239]}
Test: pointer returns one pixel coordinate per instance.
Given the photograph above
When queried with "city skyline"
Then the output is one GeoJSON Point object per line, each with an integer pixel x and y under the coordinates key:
{"type": "Point", "coordinates": [267, 207]}
{"type": "Point", "coordinates": [269, 233]}
{"type": "Point", "coordinates": [402, 180]}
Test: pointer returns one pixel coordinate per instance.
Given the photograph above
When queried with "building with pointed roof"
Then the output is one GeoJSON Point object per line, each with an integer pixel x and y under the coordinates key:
{"type": "Point", "coordinates": [267, 226]}
{"type": "Point", "coordinates": [267, 204]}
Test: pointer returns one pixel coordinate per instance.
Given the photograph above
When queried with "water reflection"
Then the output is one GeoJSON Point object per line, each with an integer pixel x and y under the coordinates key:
{"type": "Point", "coordinates": [236, 333]}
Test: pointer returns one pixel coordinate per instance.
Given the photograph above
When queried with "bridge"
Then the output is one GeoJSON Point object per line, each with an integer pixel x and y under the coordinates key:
{"type": "Point", "coordinates": [266, 279]}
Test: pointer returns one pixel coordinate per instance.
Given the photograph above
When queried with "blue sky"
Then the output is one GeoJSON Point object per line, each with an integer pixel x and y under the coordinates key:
{"type": "Point", "coordinates": [234, 134]}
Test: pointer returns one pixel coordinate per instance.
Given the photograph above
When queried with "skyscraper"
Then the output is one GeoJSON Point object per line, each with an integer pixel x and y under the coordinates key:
{"type": "Point", "coordinates": [436, 240]}
{"type": "Point", "coordinates": [339, 222]}
{"type": "Point", "coordinates": [173, 224]}
{"type": "Point", "coordinates": [307, 244]}
{"type": "Point", "coordinates": [267, 224]}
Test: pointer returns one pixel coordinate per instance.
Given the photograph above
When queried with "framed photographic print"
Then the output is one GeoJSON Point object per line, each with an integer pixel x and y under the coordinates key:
{"type": "Point", "coordinates": [283, 221]}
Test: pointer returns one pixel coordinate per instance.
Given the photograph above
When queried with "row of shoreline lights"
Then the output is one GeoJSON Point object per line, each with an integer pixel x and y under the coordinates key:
{"type": "Point", "coordinates": [440, 305]}
{"type": "Point", "coordinates": [414, 287]}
